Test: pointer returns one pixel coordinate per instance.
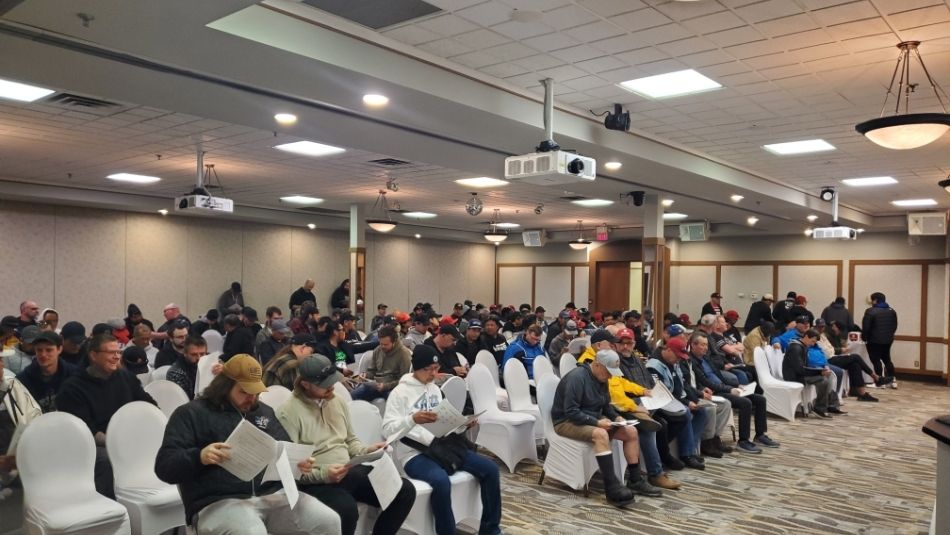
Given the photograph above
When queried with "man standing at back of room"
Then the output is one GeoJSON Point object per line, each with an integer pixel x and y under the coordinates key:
{"type": "Point", "coordinates": [759, 312]}
{"type": "Point", "coordinates": [301, 295]}
{"type": "Point", "coordinates": [877, 329]}
{"type": "Point", "coordinates": [714, 306]}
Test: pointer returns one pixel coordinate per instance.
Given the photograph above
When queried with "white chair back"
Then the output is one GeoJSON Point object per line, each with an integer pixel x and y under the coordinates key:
{"type": "Point", "coordinates": [341, 391]}
{"type": "Point", "coordinates": [167, 394]}
{"type": "Point", "coordinates": [578, 345]}
{"type": "Point", "coordinates": [481, 390]}
{"type": "Point", "coordinates": [144, 378]}
{"type": "Point", "coordinates": [516, 383]}
{"type": "Point", "coordinates": [158, 374]}
{"type": "Point", "coordinates": [455, 390]}
{"type": "Point", "coordinates": [214, 340]}
{"type": "Point", "coordinates": [54, 449]}
{"type": "Point", "coordinates": [775, 358]}
{"type": "Point", "coordinates": [367, 422]}
{"type": "Point", "coordinates": [462, 360]}
{"type": "Point", "coordinates": [133, 437]}
{"type": "Point", "coordinates": [567, 363]}
{"type": "Point", "coordinates": [363, 363]}
{"type": "Point", "coordinates": [486, 358]}
{"type": "Point", "coordinates": [545, 388]}
{"type": "Point", "coordinates": [541, 367]}
{"type": "Point", "coordinates": [276, 396]}
{"type": "Point", "coordinates": [205, 365]}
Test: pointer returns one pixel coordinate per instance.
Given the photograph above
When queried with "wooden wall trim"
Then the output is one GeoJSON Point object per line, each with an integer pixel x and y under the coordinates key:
{"type": "Point", "coordinates": [923, 261]}
{"type": "Point", "coordinates": [757, 263]}
{"type": "Point", "coordinates": [775, 282]}
{"type": "Point", "coordinates": [924, 280]}
{"type": "Point", "coordinates": [718, 278]}
{"type": "Point", "coordinates": [543, 264]}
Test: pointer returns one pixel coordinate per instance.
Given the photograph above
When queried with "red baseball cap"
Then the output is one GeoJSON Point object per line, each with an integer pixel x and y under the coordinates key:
{"type": "Point", "coordinates": [678, 346]}
{"type": "Point", "coordinates": [732, 314]}
{"type": "Point", "coordinates": [625, 333]}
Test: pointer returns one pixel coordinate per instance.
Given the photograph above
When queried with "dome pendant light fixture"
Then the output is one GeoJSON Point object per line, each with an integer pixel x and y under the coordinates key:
{"type": "Point", "coordinates": [905, 130]}
{"type": "Point", "coordinates": [494, 234]}
{"type": "Point", "coordinates": [383, 223]}
{"type": "Point", "coordinates": [580, 243]}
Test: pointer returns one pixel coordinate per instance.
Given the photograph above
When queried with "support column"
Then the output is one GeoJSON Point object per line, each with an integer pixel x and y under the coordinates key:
{"type": "Point", "coordinates": [656, 258]}
{"type": "Point", "coordinates": [358, 262]}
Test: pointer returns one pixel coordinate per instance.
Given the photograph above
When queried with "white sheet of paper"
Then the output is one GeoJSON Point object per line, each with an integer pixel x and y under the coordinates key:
{"type": "Point", "coordinates": [718, 399]}
{"type": "Point", "coordinates": [367, 458]}
{"type": "Point", "coordinates": [748, 390]}
{"type": "Point", "coordinates": [287, 478]}
{"type": "Point", "coordinates": [251, 451]}
{"type": "Point", "coordinates": [295, 454]}
{"type": "Point", "coordinates": [448, 419]}
{"type": "Point", "coordinates": [659, 398]}
{"type": "Point", "coordinates": [624, 423]}
{"type": "Point", "coordinates": [385, 480]}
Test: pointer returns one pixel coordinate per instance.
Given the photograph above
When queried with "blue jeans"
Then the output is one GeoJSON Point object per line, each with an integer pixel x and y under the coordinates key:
{"type": "Point", "coordinates": [839, 373]}
{"type": "Point", "coordinates": [690, 432]}
{"type": "Point", "coordinates": [742, 376]}
{"type": "Point", "coordinates": [368, 392]}
{"type": "Point", "coordinates": [651, 456]}
{"type": "Point", "coordinates": [485, 471]}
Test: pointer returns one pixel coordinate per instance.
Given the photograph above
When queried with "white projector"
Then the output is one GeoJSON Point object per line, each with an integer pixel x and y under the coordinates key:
{"type": "Point", "coordinates": [203, 203]}
{"type": "Point", "coordinates": [551, 168]}
{"type": "Point", "coordinates": [834, 233]}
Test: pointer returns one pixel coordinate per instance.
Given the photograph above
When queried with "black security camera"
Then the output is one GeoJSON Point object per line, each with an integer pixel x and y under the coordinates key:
{"type": "Point", "coordinates": [618, 120]}
{"type": "Point", "coordinates": [637, 197]}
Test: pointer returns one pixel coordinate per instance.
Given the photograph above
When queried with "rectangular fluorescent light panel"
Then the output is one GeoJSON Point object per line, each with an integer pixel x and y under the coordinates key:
{"type": "Point", "coordinates": [671, 84]}
{"type": "Point", "coordinates": [137, 179]}
{"type": "Point", "coordinates": [870, 181]}
{"type": "Point", "coordinates": [419, 215]}
{"type": "Point", "coordinates": [301, 199]}
{"type": "Point", "coordinates": [799, 147]}
{"type": "Point", "coordinates": [309, 148]}
{"type": "Point", "coordinates": [481, 182]}
{"type": "Point", "coordinates": [915, 202]}
{"type": "Point", "coordinates": [22, 92]}
{"type": "Point", "coordinates": [674, 216]}
{"type": "Point", "coordinates": [592, 202]}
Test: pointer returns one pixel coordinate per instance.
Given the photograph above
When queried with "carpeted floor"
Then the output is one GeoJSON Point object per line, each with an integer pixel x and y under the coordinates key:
{"type": "Point", "coordinates": [869, 472]}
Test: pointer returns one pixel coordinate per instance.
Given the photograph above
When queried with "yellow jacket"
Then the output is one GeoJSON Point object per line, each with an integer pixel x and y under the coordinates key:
{"type": "Point", "coordinates": [619, 386]}
{"type": "Point", "coordinates": [588, 355]}
{"type": "Point", "coordinates": [751, 341]}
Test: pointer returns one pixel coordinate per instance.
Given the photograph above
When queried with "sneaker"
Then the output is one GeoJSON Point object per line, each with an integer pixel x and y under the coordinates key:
{"type": "Point", "coordinates": [708, 449]}
{"type": "Point", "coordinates": [866, 397]}
{"type": "Point", "coordinates": [746, 446]}
{"type": "Point", "coordinates": [883, 381]}
{"type": "Point", "coordinates": [764, 440]}
{"type": "Point", "coordinates": [674, 464]}
{"type": "Point", "coordinates": [644, 488]}
{"type": "Point", "coordinates": [893, 383]}
{"type": "Point", "coordinates": [836, 410]}
{"type": "Point", "coordinates": [693, 462]}
{"type": "Point", "coordinates": [664, 482]}
{"type": "Point", "coordinates": [821, 414]}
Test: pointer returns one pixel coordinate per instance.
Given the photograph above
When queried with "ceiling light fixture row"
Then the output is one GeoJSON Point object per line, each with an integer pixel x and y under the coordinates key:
{"type": "Point", "coordinates": [580, 243]}
{"type": "Point", "coordinates": [494, 234]}
{"type": "Point", "coordinates": [381, 220]}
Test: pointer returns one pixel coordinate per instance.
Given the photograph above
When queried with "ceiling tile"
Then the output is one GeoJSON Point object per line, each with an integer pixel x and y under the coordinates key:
{"type": "Point", "coordinates": [564, 72]}
{"type": "Point", "coordinates": [594, 31]}
{"type": "Point", "coordinates": [620, 43]}
{"type": "Point", "coordinates": [688, 10]}
{"type": "Point", "coordinates": [452, 5]}
{"type": "Point", "coordinates": [539, 62]}
{"type": "Point", "coordinates": [445, 48]}
{"type": "Point", "coordinates": [845, 13]}
{"type": "Point", "coordinates": [703, 59]}
{"type": "Point", "coordinates": [481, 39]}
{"type": "Point", "coordinates": [569, 16]}
{"type": "Point", "coordinates": [504, 70]}
{"type": "Point", "coordinates": [551, 41]}
{"type": "Point", "coordinates": [412, 35]}
{"type": "Point", "coordinates": [535, 5]}
{"type": "Point", "coordinates": [641, 19]}
{"type": "Point", "coordinates": [735, 36]}
{"type": "Point", "coordinates": [600, 64]}
{"type": "Point", "coordinates": [787, 25]}
{"type": "Point", "coordinates": [521, 30]}
{"type": "Point", "coordinates": [510, 51]}
{"type": "Point", "coordinates": [476, 59]}
{"type": "Point", "coordinates": [920, 17]}
{"type": "Point", "coordinates": [723, 20]}
{"type": "Point", "coordinates": [661, 34]}
{"type": "Point", "coordinates": [447, 25]}
{"type": "Point", "coordinates": [585, 83]}
{"type": "Point", "coordinates": [577, 54]}
{"type": "Point", "coordinates": [641, 55]}
{"type": "Point", "coordinates": [769, 10]}
{"type": "Point", "coordinates": [894, 6]}
{"type": "Point", "coordinates": [687, 46]}
{"type": "Point", "coordinates": [609, 8]}
{"type": "Point", "coordinates": [486, 14]}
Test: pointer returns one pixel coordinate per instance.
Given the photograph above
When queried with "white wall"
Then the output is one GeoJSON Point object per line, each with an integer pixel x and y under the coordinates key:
{"type": "Point", "coordinates": [551, 253]}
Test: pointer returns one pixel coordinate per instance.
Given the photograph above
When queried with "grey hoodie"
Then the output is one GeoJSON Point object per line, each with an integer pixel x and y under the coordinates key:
{"type": "Point", "coordinates": [387, 368]}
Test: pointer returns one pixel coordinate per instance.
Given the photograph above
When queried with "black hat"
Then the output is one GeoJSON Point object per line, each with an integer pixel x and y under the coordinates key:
{"type": "Point", "coordinates": [450, 329]}
{"type": "Point", "coordinates": [382, 305]}
{"type": "Point", "coordinates": [602, 334]}
{"type": "Point", "coordinates": [347, 316]}
{"type": "Point", "coordinates": [74, 332]}
{"type": "Point", "coordinates": [9, 322]}
{"type": "Point", "coordinates": [135, 359]}
{"type": "Point", "coordinates": [133, 309]}
{"type": "Point", "coordinates": [48, 337]}
{"type": "Point", "coordinates": [539, 309]}
{"type": "Point", "coordinates": [249, 313]}
{"type": "Point", "coordinates": [303, 339]}
{"type": "Point", "coordinates": [715, 295]}
{"type": "Point", "coordinates": [101, 328]}
{"type": "Point", "coordinates": [803, 319]}
{"type": "Point", "coordinates": [423, 356]}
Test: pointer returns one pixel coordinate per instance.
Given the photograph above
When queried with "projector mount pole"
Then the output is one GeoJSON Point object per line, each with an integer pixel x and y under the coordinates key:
{"type": "Point", "coordinates": [200, 186]}
{"type": "Point", "coordinates": [548, 144]}
{"type": "Point", "coordinates": [834, 209]}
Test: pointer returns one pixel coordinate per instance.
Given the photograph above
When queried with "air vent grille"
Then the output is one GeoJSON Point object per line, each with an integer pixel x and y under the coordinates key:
{"type": "Point", "coordinates": [70, 100]}
{"type": "Point", "coordinates": [389, 162]}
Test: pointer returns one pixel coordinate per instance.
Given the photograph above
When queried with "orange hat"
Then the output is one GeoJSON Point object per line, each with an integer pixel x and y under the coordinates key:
{"type": "Point", "coordinates": [401, 317]}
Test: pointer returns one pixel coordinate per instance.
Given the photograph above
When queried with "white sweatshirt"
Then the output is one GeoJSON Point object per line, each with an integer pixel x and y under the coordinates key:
{"type": "Point", "coordinates": [403, 401]}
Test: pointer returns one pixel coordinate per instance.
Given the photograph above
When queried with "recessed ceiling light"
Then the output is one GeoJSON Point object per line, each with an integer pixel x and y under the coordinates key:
{"type": "Point", "coordinates": [481, 182]}
{"type": "Point", "coordinates": [870, 181]}
{"type": "Point", "coordinates": [590, 203]}
{"type": "Point", "coordinates": [752, 220]}
{"type": "Point", "coordinates": [417, 236]}
{"type": "Point", "coordinates": [736, 198]}
{"type": "Point", "coordinates": [163, 211]}
{"type": "Point", "coordinates": [375, 100]}
{"type": "Point", "coordinates": [507, 225]}
{"type": "Point", "coordinates": [309, 148]}
{"type": "Point", "coordinates": [136, 179]}
{"type": "Point", "coordinates": [915, 202]}
{"type": "Point", "coordinates": [808, 232]}
{"type": "Point", "coordinates": [811, 217]}
{"type": "Point", "coordinates": [612, 166]}
{"type": "Point", "coordinates": [799, 147]}
{"type": "Point", "coordinates": [285, 118]}
{"type": "Point", "coordinates": [860, 231]}
{"type": "Point", "coordinates": [674, 216]}
{"type": "Point", "coordinates": [668, 202]}
{"type": "Point", "coordinates": [419, 215]}
{"type": "Point", "coordinates": [22, 92]}
{"type": "Point", "coordinates": [301, 199]}
{"type": "Point", "coordinates": [671, 84]}
{"type": "Point", "coordinates": [311, 226]}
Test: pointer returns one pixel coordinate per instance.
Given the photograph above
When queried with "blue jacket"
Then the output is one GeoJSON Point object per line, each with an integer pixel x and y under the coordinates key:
{"type": "Point", "coordinates": [526, 353]}
{"type": "Point", "coordinates": [786, 337]}
{"type": "Point", "coordinates": [816, 357]}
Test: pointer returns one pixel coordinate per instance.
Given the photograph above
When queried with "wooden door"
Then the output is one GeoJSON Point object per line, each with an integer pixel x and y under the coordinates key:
{"type": "Point", "coordinates": [612, 291]}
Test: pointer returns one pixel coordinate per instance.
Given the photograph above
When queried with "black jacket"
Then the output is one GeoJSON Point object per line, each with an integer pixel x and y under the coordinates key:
{"type": "Point", "coordinates": [192, 427]}
{"type": "Point", "coordinates": [340, 298]}
{"type": "Point", "coordinates": [758, 312]}
{"type": "Point", "coordinates": [44, 392]}
{"type": "Point", "coordinates": [468, 349]}
{"type": "Point", "coordinates": [325, 348]}
{"type": "Point", "coordinates": [448, 359]}
{"type": "Point", "coordinates": [237, 342]}
{"type": "Point", "coordinates": [839, 313]}
{"type": "Point", "coordinates": [708, 308]}
{"type": "Point", "coordinates": [185, 375]}
{"type": "Point", "coordinates": [879, 325]}
{"type": "Point", "coordinates": [635, 370]}
{"type": "Point", "coordinates": [799, 310]}
{"type": "Point", "coordinates": [166, 356]}
{"type": "Point", "coordinates": [794, 365]}
{"type": "Point", "coordinates": [781, 311]}
{"type": "Point", "coordinates": [581, 399]}
{"type": "Point", "coordinates": [94, 400]}
{"type": "Point", "coordinates": [496, 345]}
{"type": "Point", "coordinates": [299, 296]}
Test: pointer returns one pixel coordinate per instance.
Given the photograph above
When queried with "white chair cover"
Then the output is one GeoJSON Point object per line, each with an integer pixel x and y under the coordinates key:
{"type": "Point", "coordinates": [341, 391]}
{"type": "Point", "coordinates": [519, 395]}
{"type": "Point", "coordinates": [569, 461]}
{"type": "Point", "coordinates": [455, 390]}
{"type": "Point", "coordinates": [158, 374]}
{"type": "Point", "coordinates": [508, 435]}
{"type": "Point", "coordinates": [134, 435]}
{"type": "Point", "coordinates": [367, 422]}
{"type": "Point", "coordinates": [276, 396]}
{"type": "Point", "coordinates": [55, 457]}
{"type": "Point", "coordinates": [488, 360]}
{"type": "Point", "coordinates": [167, 394]}
{"type": "Point", "coordinates": [214, 340]}
{"type": "Point", "coordinates": [775, 358]}
{"type": "Point", "coordinates": [542, 366]}
{"type": "Point", "coordinates": [462, 360]}
{"type": "Point", "coordinates": [578, 345]}
{"type": "Point", "coordinates": [363, 363]}
{"type": "Point", "coordinates": [781, 397]}
{"type": "Point", "coordinates": [567, 363]}
{"type": "Point", "coordinates": [205, 365]}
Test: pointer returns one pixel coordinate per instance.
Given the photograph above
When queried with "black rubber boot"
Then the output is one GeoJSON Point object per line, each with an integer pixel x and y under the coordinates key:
{"type": "Point", "coordinates": [616, 493]}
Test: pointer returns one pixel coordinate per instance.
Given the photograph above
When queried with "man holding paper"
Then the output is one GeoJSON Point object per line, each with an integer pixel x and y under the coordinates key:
{"type": "Point", "coordinates": [220, 434]}
{"type": "Point", "coordinates": [316, 417]}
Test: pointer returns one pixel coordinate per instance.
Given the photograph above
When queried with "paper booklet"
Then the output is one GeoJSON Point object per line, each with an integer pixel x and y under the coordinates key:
{"type": "Point", "coordinates": [624, 423]}
{"type": "Point", "coordinates": [659, 398]}
{"type": "Point", "coordinates": [748, 390]}
{"type": "Point", "coordinates": [253, 450]}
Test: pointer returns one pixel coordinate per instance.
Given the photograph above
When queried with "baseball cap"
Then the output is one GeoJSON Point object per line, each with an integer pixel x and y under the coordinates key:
{"type": "Point", "coordinates": [819, 322]}
{"type": "Point", "coordinates": [732, 314]}
{"type": "Point", "coordinates": [802, 319]}
{"type": "Point", "coordinates": [539, 309]}
{"type": "Point", "coordinates": [625, 333]}
{"type": "Point", "coordinates": [423, 356]}
{"type": "Point", "coordinates": [402, 317]}
{"type": "Point", "coordinates": [29, 334]}
{"type": "Point", "coordinates": [135, 359]}
{"type": "Point", "coordinates": [450, 329]}
{"type": "Point", "coordinates": [279, 326]}
{"type": "Point", "coordinates": [684, 317]}
{"type": "Point", "coordinates": [564, 314]}
{"type": "Point", "coordinates": [475, 324]}
{"type": "Point", "coordinates": [678, 346]}
{"type": "Point", "coordinates": [49, 337]}
{"type": "Point", "coordinates": [318, 369]}
{"type": "Point", "coordinates": [303, 339]}
{"type": "Point", "coordinates": [104, 328]}
{"type": "Point", "coordinates": [8, 322]}
{"type": "Point", "coordinates": [247, 372]}
{"type": "Point", "coordinates": [601, 335]}
{"type": "Point", "coordinates": [347, 316]}
{"type": "Point", "coordinates": [610, 360]}
{"type": "Point", "coordinates": [73, 331]}
{"type": "Point", "coordinates": [570, 327]}
{"type": "Point", "coordinates": [382, 305]}
{"type": "Point", "coordinates": [676, 329]}
{"type": "Point", "coordinates": [716, 295]}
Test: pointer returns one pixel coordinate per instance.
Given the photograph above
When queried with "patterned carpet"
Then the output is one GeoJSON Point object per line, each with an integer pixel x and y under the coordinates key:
{"type": "Point", "coordinates": [868, 472]}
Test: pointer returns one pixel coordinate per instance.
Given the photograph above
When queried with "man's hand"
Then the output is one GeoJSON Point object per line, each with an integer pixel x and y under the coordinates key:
{"type": "Point", "coordinates": [306, 465]}
{"type": "Point", "coordinates": [424, 417]}
{"type": "Point", "coordinates": [825, 372]}
{"type": "Point", "coordinates": [728, 366]}
{"type": "Point", "coordinates": [216, 368]}
{"type": "Point", "coordinates": [693, 406]}
{"type": "Point", "coordinates": [471, 424]}
{"type": "Point", "coordinates": [346, 372]}
{"type": "Point", "coordinates": [647, 393]}
{"type": "Point", "coordinates": [603, 423]}
{"type": "Point", "coordinates": [735, 392]}
{"type": "Point", "coordinates": [707, 394]}
{"type": "Point", "coordinates": [215, 453]}
{"type": "Point", "coordinates": [460, 371]}
{"type": "Point", "coordinates": [336, 472]}
{"type": "Point", "coordinates": [379, 386]}
{"type": "Point", "coordinates": [373, 447]}
{"type": "Point", "coordinates": [707, 390]}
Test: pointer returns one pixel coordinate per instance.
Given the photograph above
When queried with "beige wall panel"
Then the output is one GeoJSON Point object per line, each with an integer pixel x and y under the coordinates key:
{"type": "Point", "coordinates": [692, 290]}
{"type": "Point", "coordinates": [322, 256]}
{"type": "Point", "coordinates": [214, 261]}
{"type": "Point", "coordinates": [552, 289]}
{"type": "Point", "coordinates": [745, 280]}
{"type": "Point", "coordinates": [267, 267]}
{"type": "Point", "coordinates": [553, 253]}
{"type": "Point", "coordinates": [156, 263]}
{"type": "Point", "coordinates": [937, 357]}
{"type": "Point", "coordinates": [901, 285]}
{"type": "Point", "coordinates": [90, 265]}
{"type": "Point", "coordinates": [425, 270]}
{"type": "Point", "coordinates": [581, 287]}
{"type": "Point", "coordinates": [482, 273]}
{"type": "Point", "coordinates": [906, 354]}
{"type": "Point", "coordinates": [817, 283]}
{"type": "Point", "coordinates": [514, 285]}
{"type": "Point", "coordinates": [27, 268]}
{"type": "Point", "coordinates": [388, 273]}
{"type": "Point", "coordinates": [937, 303]}
{"type": "Point", "coordinates": [453, 277]}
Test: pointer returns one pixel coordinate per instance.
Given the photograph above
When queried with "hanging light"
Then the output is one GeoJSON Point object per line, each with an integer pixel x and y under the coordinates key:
{"type": "Point", "coordinates": [384, 223]}
{"type": "Point", "coordinates": [580, 242]}
{"type": "Point", "coordinates": [907, 130]}
{"type": "Point", "coordinates": [495, 234]}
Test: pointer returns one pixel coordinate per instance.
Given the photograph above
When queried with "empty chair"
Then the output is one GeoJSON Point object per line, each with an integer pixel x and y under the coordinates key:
{"type": "Point", "coordinates": [55, 457]}
{"type": "Point", "coordinates": [488, 360]}
{"type": "Point", "coordinates": [569, 461]}
{"type": "Point", "coordinates": [205, 365]}
{"type": "Point", "coordinates": [541, 367]}
{"type": "Point", "coordinates": [214, 340]}
{"type": "Point", "coordinates": [167, 394]}
{"type": "Point", "coordinates": [519, 392]}
{"type": "Point", "coordinates": [158, 374]}
{"type": "Point", "coordinates": [455, 391]}
{"type": "Point", "coordinates": [276, 396]}
{"type": "Point", "coordinates": [567, 363]}
{"type": "Point", "coordinates": [578, 345]}
{"type": "Point", "coordinates": [134, 435]}
{"type": "Point", "coordinates": [781, 397]}
{"type": "Point", "coordinates": [508, 435]}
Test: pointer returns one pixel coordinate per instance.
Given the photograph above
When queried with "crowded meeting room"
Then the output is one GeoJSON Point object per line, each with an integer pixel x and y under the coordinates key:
{"type": "Point", "coordinates": [438, 267]}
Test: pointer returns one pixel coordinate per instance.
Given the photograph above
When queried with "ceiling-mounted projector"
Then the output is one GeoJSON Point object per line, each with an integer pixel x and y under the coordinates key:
{"type": "Point", "coordinates": [836, 231]}
{"type": "Point", "coordinates": [203, 203]}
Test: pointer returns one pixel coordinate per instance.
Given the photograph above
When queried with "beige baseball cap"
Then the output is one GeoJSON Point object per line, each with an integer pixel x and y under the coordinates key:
{"type": "Point", "coordinates": [247, 372]}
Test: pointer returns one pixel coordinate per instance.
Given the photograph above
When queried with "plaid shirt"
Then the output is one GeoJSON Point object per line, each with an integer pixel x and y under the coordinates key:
{"type": "Point", "coordinates": [281, 371]}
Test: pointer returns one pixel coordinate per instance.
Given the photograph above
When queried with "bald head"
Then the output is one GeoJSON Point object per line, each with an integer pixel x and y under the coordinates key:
{"type": "Point", "coordinates": [29, 310]}
{"type": "Point", "coordinates": [309, 284]}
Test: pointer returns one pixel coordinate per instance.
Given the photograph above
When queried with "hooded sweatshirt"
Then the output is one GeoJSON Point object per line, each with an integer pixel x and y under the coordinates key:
{"type": "Point", "coordinates": [94, 399]}
{"type": "Point", "coordinates": [387, 368]}
{"type": "Point", "coordinates": [403, 401]}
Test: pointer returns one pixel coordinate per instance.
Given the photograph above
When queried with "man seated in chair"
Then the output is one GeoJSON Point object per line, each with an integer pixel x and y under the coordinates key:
{"type": "Point", "coordinates": [388, 363]}
{"type": "Point", "coordinates": [582, 411]}
{"type": "Point", "coordinates": [96, 394]}
{"type": "Point", "coordinates": [795, 368]}
{"type": "Point", "coordinates": [45, 376]}
{"type": "Point", "coordinates": [315, 416]}
{"type": "Point", "coordinates": [559, 345]}
{"type": "Point", "coordinates": [184, 372]}
{"type": "Point", "coordinates": [526, 348]}
{"type": "Point", "coordinates": [410, 404]}
{"type": "Point", "coordinates": [216, 501]}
